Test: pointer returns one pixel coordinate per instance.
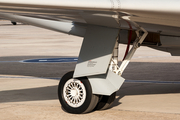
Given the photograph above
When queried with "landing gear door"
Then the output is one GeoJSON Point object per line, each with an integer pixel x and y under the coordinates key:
{"type": "Point", "coordinates": [96, 51]}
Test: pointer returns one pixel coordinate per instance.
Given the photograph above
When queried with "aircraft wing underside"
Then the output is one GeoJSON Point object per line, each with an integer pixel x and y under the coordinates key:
{"type": "Point", "coordinates": [155, 16]}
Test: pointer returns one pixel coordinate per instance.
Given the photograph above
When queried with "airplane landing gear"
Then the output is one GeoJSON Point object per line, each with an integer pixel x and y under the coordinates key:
{"type": "Point", "coordinates": [97, 75]}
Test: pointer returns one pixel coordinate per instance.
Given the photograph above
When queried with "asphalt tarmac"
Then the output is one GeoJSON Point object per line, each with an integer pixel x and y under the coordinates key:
{"type": "Point", "coordinates": [28, 90]}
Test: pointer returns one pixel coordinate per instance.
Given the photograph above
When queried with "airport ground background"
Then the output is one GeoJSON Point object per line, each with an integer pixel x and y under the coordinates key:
{"type": "Point", "coordinates": [28, 91]}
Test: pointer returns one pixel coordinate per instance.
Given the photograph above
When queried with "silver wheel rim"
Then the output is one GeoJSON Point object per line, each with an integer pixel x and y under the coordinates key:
{"type": "Point", "coordinates": [74, 93]}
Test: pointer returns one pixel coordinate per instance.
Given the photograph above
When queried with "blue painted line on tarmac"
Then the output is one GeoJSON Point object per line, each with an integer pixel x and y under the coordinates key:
{"type": "Point", "coordinates": [51, 60]}
{"type": "Point", "coordinates": [45, 60]}
{"type": "Point", "coordinates": [126, 81]}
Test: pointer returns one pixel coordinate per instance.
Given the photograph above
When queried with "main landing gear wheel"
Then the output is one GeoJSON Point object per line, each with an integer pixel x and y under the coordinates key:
{"type": "Point", "coordinates": [75, 95]}
{"type": "Point", "coordinates": [105, 102]}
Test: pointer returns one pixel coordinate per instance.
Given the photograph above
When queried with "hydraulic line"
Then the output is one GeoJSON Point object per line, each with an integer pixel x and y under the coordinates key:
{"type": "Point", "coordinates": [129, 40]}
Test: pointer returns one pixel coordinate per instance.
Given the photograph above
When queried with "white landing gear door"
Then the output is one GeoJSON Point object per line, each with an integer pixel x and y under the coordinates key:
{"type": "Point", "coordinates": [106, 84]}
{"type": "Point", "coordinates": [96, 51]}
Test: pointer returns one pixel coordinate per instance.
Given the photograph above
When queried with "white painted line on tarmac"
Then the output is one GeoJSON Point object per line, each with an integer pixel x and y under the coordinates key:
{"type": "Point", "coordinates": [8, 61]}
{"type": "Point", "coordinates": [126, 81]}
{"type": "Point", "coordinates": [29, 77]}
{"type": "Point", "coordinates": [152, 81]}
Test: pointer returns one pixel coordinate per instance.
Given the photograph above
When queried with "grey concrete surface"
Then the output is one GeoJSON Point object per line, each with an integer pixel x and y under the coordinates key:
{"type": "Point", "coordinates": [28, 91]}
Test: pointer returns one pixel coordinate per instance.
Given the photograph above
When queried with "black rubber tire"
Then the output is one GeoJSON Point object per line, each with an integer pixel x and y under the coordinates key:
{"type": "Point", "coordinates": [14, 23]}
{"type": "Point", "coordinates": [105, 102]}
{"type": "Point", "coordinates": [90, 101]}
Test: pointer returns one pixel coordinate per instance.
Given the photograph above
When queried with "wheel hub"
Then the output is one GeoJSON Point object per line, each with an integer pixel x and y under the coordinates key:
{"type": "Point", "coordinates": [74, 93]}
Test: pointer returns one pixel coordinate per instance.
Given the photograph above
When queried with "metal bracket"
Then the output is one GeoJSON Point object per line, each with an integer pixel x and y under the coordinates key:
{"type": "Point", "coordinates": [141, 35]}
{"type": "Point", "coordinates": [114, 60]}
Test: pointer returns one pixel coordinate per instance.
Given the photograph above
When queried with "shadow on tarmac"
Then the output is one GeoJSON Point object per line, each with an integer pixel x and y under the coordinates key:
{"type": "Point", "coordinates": [33, 94]}
{"type": "Point", "coordinates": [53, 70]}
{"type": "Point", "coordinates": [135, 71]}
{"type": "Point", "coordinates": [129, 89]}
